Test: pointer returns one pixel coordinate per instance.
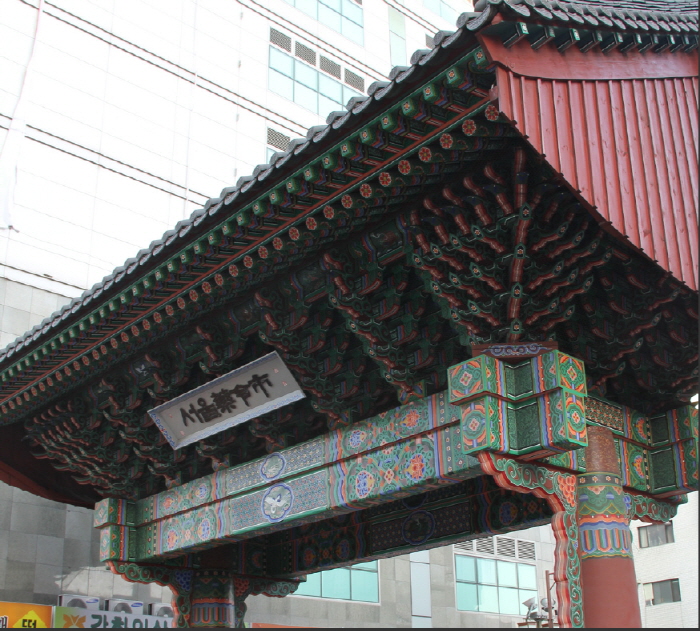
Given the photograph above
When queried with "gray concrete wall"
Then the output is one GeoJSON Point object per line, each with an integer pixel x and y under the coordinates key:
{"type": "Point", "coordinates": [394, 607]}
{"type": "Point", "coordinates": [48, 548]}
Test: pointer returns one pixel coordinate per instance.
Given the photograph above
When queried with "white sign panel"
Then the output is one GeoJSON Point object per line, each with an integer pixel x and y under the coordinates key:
{"type": "Point", "coordinates": [245, 393]}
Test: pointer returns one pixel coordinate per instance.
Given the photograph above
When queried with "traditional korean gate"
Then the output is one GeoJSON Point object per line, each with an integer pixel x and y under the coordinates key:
{"type": "Point", "coordinates": [436, 286]}
{"type": "Point", "coordinates": [410, 479]}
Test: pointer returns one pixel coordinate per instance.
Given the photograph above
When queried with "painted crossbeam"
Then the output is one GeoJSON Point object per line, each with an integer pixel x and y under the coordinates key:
{"type": "Point", "coordinates": [408, 450]}
{"type": "Point", "coordinates": [412, 449]}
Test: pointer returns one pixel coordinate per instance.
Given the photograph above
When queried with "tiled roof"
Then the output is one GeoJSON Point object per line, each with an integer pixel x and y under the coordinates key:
{"type": "Point", "coordinates": [659, 16]}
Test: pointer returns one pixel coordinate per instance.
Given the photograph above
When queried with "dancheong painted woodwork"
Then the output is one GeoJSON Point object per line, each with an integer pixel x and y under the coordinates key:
{"type": "Point", "coordinates": [482, 276]}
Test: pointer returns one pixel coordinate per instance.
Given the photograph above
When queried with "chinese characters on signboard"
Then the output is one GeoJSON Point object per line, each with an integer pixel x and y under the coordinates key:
{"type": "Point", "coordinates": [245, 393]}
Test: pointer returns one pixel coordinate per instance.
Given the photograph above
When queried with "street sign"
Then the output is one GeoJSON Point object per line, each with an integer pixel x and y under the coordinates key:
{"type": "Point", "coordinates": [25, 616]}
{"type": "Point", "coordinates": [264, 385]}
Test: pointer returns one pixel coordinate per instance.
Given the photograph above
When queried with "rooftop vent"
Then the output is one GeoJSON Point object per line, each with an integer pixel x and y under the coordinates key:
{"type": "Point", "coordinates": [281, 40]}
{"type": "Point", "coordinates": [354, 80]}
{"type": "Point", "coordinates": [485, 546]}
{"type": "Point", "coordinates": [305, 53]}
{"type": "Point", "coordinates": [505, 547]}
{"type": "Point", "coordinates": [526, 550]}
{"type": "Point", "coordinates": [277, 140]}
{"type": "Point", "coordinates": [330, 67]}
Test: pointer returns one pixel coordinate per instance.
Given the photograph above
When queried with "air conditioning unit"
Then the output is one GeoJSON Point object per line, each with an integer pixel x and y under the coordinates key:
{"type": "Point", "coordinates": [81, 602]}
{"type": "Point", "coordinates": [162, 610]}
{"type": "Point", "coordinates": [124, 606]}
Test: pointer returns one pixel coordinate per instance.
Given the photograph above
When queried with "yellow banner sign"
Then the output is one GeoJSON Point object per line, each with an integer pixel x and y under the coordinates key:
{"type": "Point", "coordinates": [25, 616]}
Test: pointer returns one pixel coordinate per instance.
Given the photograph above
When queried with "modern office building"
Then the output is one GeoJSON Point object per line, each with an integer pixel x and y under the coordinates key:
{"type": "Point", "coordinates": [118, 118]}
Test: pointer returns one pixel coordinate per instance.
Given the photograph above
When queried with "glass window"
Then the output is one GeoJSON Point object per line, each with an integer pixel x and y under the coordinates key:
{"type": "Point", "coordinates": [467, 599]}
{"type": "Point", "coordinates": [527, 576]}
{"type": "Point", "coordinates": [306, 75]}
{"type": "Point", "coordinates": [494, 586]}
{"type": "Point", "coordinates": [443, 8]}
{"type": "Point", "coordinates": [281, 62]}
{"type": "Point", "coordinates": [343, 16]}
{"type": "Point", "coordinates": [332, 89]}
{"type": "Point", "coordinates": [330, 18]}
{"type": "Point", "coordinates": [306, 86]}
{"type": "Point", "coordinates": [397, 37]}
{"type": "Point", "coordinates": [507, 574]}
{"type": "Point", "coordinates": [508, 601]}
{"type": "Point", "coordinates": [312, 587]}
{"type": "Point", "coordinates": [466, 568]}
{"type": "Point", "coordinates": [662, 592]}
{"type": "Point", "coordinates": [353, 31]}
{"type": "Point", "coordinates": [487, 571]}
{"type": "Point", "coordinates": [655, 535]}
{"type": "Point", "coordinates": [359, 582]}
{"type": "Point", "coordinates": [336, 583]}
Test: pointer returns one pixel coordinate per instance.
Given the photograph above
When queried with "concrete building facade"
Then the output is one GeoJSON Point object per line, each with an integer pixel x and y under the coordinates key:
{"type": "Point", "coordinates": [118, 118]}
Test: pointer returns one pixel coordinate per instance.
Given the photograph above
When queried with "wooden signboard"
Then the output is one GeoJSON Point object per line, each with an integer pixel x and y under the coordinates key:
{"type": "Point", "coordinates": [245, 393]}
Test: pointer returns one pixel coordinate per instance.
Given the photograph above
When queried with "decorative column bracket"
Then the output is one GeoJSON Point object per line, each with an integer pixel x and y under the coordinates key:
{"type": "Point", "coordinates": [532, 409]}
{"type": "Point", "coordinates": [658, 455]}
{"type": "Point", "coordinates": [559, 490]}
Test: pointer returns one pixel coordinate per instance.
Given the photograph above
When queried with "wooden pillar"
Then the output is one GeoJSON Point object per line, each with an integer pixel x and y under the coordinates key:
{"type": "Point", "coordinates": [217, 600]}
{"type": "Point", "coordinates": [608, 580]}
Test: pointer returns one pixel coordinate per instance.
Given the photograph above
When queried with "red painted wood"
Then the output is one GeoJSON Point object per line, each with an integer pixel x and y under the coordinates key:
{"type": "Point", "coordinates": [628, 144]}
{"type": "Point", "coordinates": [598, 193]}
{"type": "Point", "coordinates": [550, 140]}
{"type": "Point", "coordinates": [610, 599]}
{"type": "Point", "coordinates": [642, 233]}
{"type": "Point", "coordinates": [662, 173]}
{"type": "Point", "coordinates": [680, 182]}
{"type": "Point", "coordinates": [649, 161]}
{"type": "Point", "coordinates": [624, 162]}
{"type": "Point", "coordinates": [565, 145]}
{"type": "Point", "coordinates": [610, 174]}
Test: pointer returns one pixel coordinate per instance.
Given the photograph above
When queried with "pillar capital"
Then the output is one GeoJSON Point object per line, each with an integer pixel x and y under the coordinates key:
{"type": "Point", "coordinates": [605, 543]}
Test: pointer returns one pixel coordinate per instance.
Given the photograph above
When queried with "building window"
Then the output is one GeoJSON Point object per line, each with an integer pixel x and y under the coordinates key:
{"type": "Point", "coordinates": [299, 82]}
{"type": "Point", "coordinates": [442, 8]}
{"type": "Point", "coordinates": [397, 38]}
{"type": "Point", "coordinates": [662, 592]}
{"type": "Point", "coordinates": [655, 535]}
{"type": "Point", "coordinates": [359, 582]}
{"type": "Point", "coordinates": [493, 586]}
{"type": "Point", "coordinates": [343, 16]}
{"type": "Point", "coordinates": [276, 142]}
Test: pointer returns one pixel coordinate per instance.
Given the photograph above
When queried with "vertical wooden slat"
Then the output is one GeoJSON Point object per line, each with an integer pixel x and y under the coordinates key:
{"type": "Point", "coordinates": [505, 100]}
{"type": "Point", "coordinates": [609, 174]}
{"type": "Point", "coordinates": [637, 169]}
{"type": "Point", "coordinates": [550, 142]}
{"type": "Point", "coordinates": [595, 155]}
{"type": "Point", "coordinates": [517, 92]}
{"type": "Point", "coordinates": [691, 103]}
{"type": "Point", "coordinates": [676, 230]}
{"type": "Point", "coordinates": [579, 129]}
{"type": "Point", "coordinates": [688, 158]}
{"type": "Point", "coordinates": [649, 176]}
{"type": "Point", "coordinates": [625, 180]}
{"type": "Point", "coordinates": [562, 113]}
{"type": "Point", "coordinates": [661, 174]}
{"type": "Point", "coordinates": [532, 116]}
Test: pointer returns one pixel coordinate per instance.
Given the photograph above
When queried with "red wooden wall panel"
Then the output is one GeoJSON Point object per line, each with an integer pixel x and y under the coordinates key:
{"type": "Point", "coordinates": [629, 146]}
